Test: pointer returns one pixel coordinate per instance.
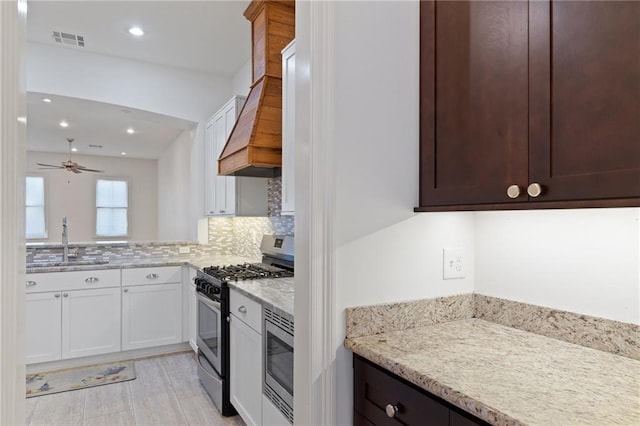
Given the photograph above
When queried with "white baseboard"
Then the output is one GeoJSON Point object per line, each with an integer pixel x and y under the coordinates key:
{"type": "Point", "coordinates": [110, 357]}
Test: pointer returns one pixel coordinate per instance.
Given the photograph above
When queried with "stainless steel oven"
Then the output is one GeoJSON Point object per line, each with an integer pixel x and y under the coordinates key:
{"type": "Point", "coordinates": [278, 361]}
{"type": "Point", "coordinates": [210, 330]}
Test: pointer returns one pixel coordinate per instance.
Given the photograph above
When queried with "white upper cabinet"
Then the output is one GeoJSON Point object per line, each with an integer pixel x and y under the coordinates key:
{"type": "Point", "coordinates": [288, 127]}
{"type": "Point", "coordinates": [229, 195]}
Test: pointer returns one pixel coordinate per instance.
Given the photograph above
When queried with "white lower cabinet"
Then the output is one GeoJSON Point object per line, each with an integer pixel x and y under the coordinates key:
{"type": "Point", "coordinates": [271, 416]}
{"type": "Point", "coordinates": [90, 322]}
{"type": "Point", "coordinates": [193, 318]}
{"type": "Point", "coordinates": [43, 327]}
{"type": "Point", "coordinates": [245, 358]}
{"type": "Point", "coordinates": [72, 314]}
{"type": "Point", "coordinates": [151, 315]}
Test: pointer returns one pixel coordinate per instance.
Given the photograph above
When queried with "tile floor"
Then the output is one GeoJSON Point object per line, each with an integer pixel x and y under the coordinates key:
{"type": "Point", "coordinates": [166, 391]}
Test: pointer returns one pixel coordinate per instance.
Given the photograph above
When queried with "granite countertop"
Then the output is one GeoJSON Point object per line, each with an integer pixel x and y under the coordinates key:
{"type": "Point", "coordinates": [507, 376]}
{"type": "Point", "coordinates": [196, 262]}
{"type": "Point", "coordinates": [276, 293]}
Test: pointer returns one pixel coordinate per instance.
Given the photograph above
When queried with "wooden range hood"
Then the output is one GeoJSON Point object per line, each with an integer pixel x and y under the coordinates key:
{"type": "Point", "coordinates": [254, 147]}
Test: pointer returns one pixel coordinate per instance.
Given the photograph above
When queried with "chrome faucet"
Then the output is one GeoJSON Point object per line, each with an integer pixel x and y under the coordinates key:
{"type": "Point", "coordinates": [65, 240]}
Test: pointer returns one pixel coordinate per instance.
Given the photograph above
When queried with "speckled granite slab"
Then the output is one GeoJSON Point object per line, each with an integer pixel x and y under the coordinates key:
{"type": "Point", "coordinates": [276, 293]}
{"type": "Point", "coordinates": [367, 320]}
{"type": "Point", "coordinates": [507, 376]}
{"type": "Point", "coordinates": [598, 333]}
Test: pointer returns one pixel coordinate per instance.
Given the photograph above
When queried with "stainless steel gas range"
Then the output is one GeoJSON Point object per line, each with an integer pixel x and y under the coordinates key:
{"type": "Point", "coordinates": [213, 311]}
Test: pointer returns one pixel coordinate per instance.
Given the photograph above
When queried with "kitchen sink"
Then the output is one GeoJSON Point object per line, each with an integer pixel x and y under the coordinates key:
{"type": "Point", "coordinates": [68, 263]}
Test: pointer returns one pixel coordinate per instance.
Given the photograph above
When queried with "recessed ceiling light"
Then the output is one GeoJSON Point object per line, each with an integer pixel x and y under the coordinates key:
{"type": "Point", "coordinates": [130, 130]}
{"type": "Point", "coordinates": [136, 31]}
{"type": "Point", "coordinates": [123, 153]}
{"type": "Point", "coordinates": [47, 100]}
{"type": "Point", "coordinates": [74, 149]}
{"type": "Point", "coordinates": [64, 124]}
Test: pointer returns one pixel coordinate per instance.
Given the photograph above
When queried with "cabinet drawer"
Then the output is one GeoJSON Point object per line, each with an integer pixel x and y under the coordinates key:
{"type": "Point", "coordinates": [72, 280]}
{"type": "Point", "coordinates": [154, 275]}
{"type": "Point", "coordinates": [249, 311]}
{"type": "Point", "coordinates": [374, 389]}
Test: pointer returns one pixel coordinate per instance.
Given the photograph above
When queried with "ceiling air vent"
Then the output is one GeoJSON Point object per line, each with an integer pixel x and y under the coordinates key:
{"type": "Point", "coordinates": [68, 39]}
{"type": "Point", "coordinates": [95, 146]}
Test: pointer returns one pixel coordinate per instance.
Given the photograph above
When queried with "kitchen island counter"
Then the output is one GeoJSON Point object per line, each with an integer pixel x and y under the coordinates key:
{"type": "Point", "coordinates": [507, 376]}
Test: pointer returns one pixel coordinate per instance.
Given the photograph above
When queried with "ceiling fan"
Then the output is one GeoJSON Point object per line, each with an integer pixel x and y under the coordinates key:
{"type": "Point", "coordinates": [69, 165]}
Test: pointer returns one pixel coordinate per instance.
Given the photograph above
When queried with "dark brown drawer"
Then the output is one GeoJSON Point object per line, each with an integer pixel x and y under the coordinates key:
{"type": "Point", "coordinates": [375, 388]}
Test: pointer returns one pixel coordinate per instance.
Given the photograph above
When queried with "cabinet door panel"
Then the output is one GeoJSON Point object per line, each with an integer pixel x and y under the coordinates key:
{"type": "Point", "coordinates": [245, 351]}
{"type": "Point", "coordinates": [90, 322]}
{"type": "Point", "coordinates": [585, 99]}
{"type": "Point", "coordinates": [474, 82]}
{"type": "Point", "coordinates": [151, 315]}
{"type": "Point", "coordinates": [43, 327]}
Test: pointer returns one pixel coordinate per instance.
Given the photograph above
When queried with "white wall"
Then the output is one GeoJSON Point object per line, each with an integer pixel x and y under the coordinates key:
{"type": "Point", "coordinates": [176, 92]}
{"type": "Point", "coordinates": [585, 261]}
{"type": "Point", "coordinates": [242, 79]}
{"type": "Point", "coordinates": [73, 195]}
{"type": "Point", "coordinates": [174, 176]}
{"type": "Point", "coordinates": [384, 252]}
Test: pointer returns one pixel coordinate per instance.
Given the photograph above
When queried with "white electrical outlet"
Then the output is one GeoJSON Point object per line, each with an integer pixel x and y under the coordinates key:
{"type": "Point", "coordinates": [453, 265]}
{"type": "Point", "coordinates": [184, 250]}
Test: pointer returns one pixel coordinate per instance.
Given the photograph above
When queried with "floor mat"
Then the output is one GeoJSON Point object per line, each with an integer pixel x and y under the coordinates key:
{"type": "Point", "coordinates": [79, 378]}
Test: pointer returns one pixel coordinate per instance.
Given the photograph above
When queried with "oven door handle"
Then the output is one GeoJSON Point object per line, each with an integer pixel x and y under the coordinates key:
{"type": "Point", "coordinates": [209, 302]}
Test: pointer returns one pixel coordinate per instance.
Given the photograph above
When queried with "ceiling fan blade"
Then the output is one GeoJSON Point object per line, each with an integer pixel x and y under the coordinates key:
{"type": "Point", "coordinates": [75, 170]}
{"type": "Point", "coordinates": [50, 165]}
{"type": "Point", "coordinates": [85, 169]}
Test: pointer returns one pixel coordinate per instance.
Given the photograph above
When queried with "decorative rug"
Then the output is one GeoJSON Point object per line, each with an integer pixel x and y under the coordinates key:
{"type": "Point", "coordinates": [79, 378]}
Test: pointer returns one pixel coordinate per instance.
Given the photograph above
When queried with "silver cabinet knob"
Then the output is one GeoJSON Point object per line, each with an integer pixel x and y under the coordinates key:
{"type": "Point", "coordinates": [391, 410]}
{"type": "Point", "coordinates": [153, 276]}
{"type": "Point", "coordinates": [126, 290]}
{"type": "Point", "coordinates": [223, 211]}
{"type": "Point", "coordinates": [513, 191]}
{"type": "Point", "coordinates": [534, 190]}
{"type": "Point", "coordinates": [57, 295]}
{"type": "Point", "coordinates": [65, 294]}
{"type": "Point", "coordinates": [31, 283]}
{"type": "Point", "coordinates": [242, 309]}
{"type": "Point", "coordinates": [91, 280]}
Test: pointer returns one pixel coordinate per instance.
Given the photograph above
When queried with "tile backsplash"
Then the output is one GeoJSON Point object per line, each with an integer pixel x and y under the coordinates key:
{"type": "Point", "coordinates": [240, 236]}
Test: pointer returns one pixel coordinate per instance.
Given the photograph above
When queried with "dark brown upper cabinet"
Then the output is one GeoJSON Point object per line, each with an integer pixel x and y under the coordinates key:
{"type": "Point", "coordinates": [529, 104]}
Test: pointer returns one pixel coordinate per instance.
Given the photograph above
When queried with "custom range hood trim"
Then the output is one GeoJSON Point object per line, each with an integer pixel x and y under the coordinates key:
{"type": "Point", "coordinates": [254, 146]}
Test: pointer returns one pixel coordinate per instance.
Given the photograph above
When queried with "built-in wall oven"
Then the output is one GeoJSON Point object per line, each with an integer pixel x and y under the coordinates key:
{"type": "Point", "coordinates": [278, 361]}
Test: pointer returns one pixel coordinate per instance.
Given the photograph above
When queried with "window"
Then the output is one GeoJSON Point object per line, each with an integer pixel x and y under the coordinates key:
{"type": "Point", "coordinates": [111, 208]}
{"type": "Point", "coordinates": [35, 224]}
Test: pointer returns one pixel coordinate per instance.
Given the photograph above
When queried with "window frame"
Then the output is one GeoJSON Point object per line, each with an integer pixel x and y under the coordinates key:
{"type": "Point", "coordinates": [45, 207]}
{"type": "Point", "coordinates": [95, 209]}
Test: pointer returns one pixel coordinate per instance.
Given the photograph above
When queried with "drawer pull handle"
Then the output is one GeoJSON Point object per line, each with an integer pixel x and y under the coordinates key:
{"type": "Point", "coordinates": [534, 190]}
{"type": "Point", "coordinates": [57, 295]}
{"type": "Point", "coordinates": [65, 294]}
{"type": "Point", "coordinates": [391, 410]}
{"type": "Point", "coordinates": [31, 283]}
{"type": "Point", "coordinates": [153, 276]}
{"type": "Point", "coordinates": [91, 280]}
{"type": "Point", "coordinates": [242, 309]}
{"type": "Point", "coordinates": [513, 191]}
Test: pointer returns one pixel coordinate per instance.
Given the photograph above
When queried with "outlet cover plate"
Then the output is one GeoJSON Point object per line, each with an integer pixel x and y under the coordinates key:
{"type": "Point", "coordinates": [453, 263]}
{"type": "Point", "coordinates": [184, 250]}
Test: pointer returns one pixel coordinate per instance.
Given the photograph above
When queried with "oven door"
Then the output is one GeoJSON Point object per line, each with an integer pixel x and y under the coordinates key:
{"type": "Point", "coordinates": [210, 331]}
{"type": "Point", "coordinates": [278, 361]}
